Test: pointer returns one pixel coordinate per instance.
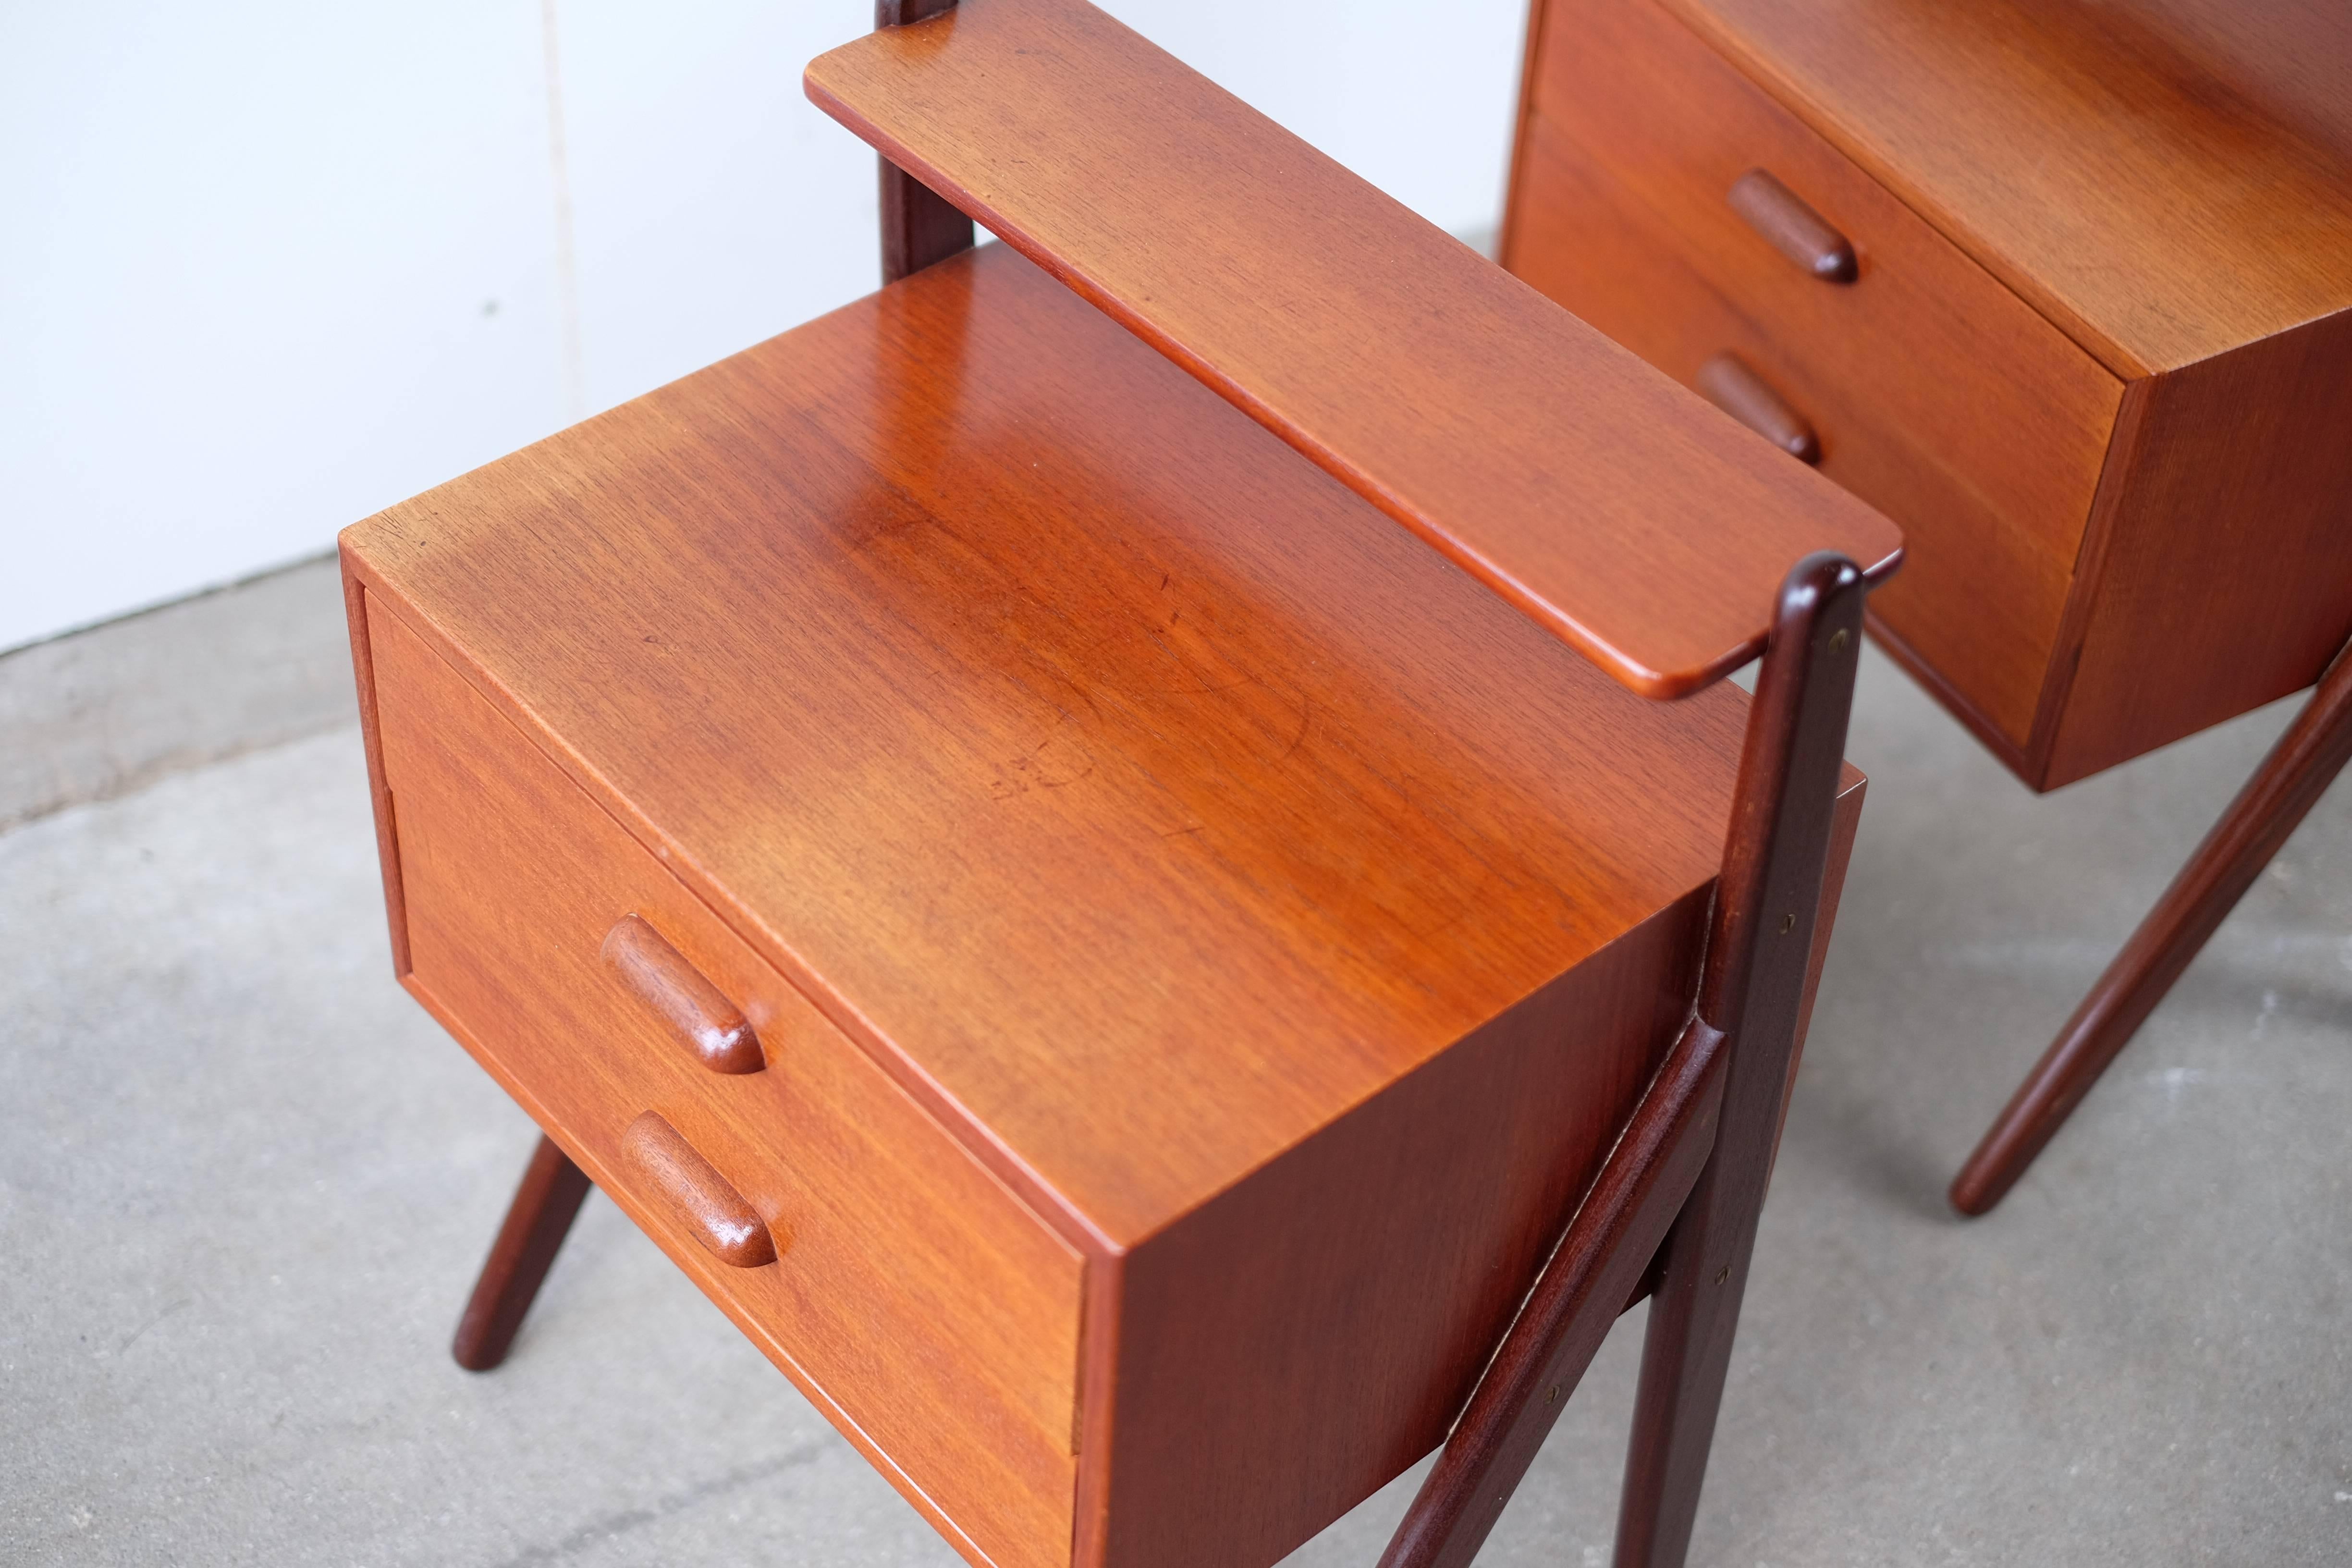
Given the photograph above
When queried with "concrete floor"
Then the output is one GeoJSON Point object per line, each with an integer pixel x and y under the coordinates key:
{"type": "Point", "coordinates": [244, 1183]}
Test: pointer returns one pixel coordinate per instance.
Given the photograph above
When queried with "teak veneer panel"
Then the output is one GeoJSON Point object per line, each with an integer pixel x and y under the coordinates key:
{"type": "Point", "coordinates": [2221, 549]}
{"type": "Point", "coordinates": [1060, 731]}
{"type": "Point", "coordinates": [1918, 376]}
{"type": "Point", "coordinates": [912, 1293]}
{"type": "Point", "coordinates": [2144, 201]}
{"type": "Point", "coordinates": [2178, 211]}
{"type": "Point", "coordinates": [1284, 918]}
{"type": "Point", "coordinates": [1555, 467]}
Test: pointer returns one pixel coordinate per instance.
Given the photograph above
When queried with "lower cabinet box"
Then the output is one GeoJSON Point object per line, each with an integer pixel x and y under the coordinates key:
{"type": "Point", "coordinates": [1199, 944]}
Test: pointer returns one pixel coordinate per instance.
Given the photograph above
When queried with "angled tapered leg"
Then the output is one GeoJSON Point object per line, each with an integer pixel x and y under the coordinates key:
{"type": "Point", "coordinates": [1753, 990]}
{"type": "Point", "coordinates": [1698, 1151]}
{"type": "Point", "coordinates": [551, 1193]}
{"type": "Point", "coordinates": [2250, 834]}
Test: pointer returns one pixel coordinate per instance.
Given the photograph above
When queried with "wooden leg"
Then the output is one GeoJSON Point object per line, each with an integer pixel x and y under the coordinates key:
{"type": "Point", "coordinates": [2250, 834]}
{"type": "Point", "coordinates": [1754, 989]}
{"type": "Point", "coordinates": [544, 1205]}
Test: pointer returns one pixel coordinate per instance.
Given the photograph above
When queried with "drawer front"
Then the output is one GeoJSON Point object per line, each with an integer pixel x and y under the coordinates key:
{"type": "Point", "coordinates": [1935, 394]}
{"type": "Point", "coordinates": [910, 1291]}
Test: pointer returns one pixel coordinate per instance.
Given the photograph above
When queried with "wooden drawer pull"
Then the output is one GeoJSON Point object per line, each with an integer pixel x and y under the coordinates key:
{"type": "Point", "coordinates": [709, 1203]}
{"type": "Point", "coordinates": [1792, 228]}
{"type": "Point", "coordinates": [1728, 383]}
{"type": "Point", "coordinates": [698, 1012]}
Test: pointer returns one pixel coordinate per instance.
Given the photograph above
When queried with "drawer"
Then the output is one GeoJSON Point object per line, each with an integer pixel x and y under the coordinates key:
{"type": "Point", "coordinates": [1935, 394]}
{"type": "Point", "coordinates": [912, 1293]}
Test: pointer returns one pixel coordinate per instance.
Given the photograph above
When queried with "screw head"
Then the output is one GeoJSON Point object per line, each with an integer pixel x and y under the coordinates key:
{"type": "Point", "coordinates": [1838, 640]}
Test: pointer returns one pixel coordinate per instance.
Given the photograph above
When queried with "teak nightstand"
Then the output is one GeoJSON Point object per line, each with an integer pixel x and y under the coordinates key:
{"type": "Point", "coordinates": [1155, 995]}
{"type": "Point", "coordinates": [2065, 288]}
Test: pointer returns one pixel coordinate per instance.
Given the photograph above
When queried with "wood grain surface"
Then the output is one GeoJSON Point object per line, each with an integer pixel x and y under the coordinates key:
{"type": "Point", "coordinates": [1937, 394]}
{"type": "Point", "coordinates": [1543, 460]}
{"type": "Point", "coordinates": [707, 1024]}
{"type": "Point", "coordinates": [2291, 58]}
{"type": "Point", "coordinates": [2183, 219]}
{"type": "Point", "coordinates": [702, 1199]}
{"type": "Point", "coordinates": [1287, 1349]}
{"type": "Point", "coordinates": [914, 1298]}
{"type": "Point", "coordinates": [1131, 788]}
{"type": "Point", "coordinates": [1286, 918]}
{"type": "Point", "coordinates": [2218, 575]}
{"type": "Point", "coordinates": [2097, 567]}
{"type": "Point", "coordinates": [1619, 1226]}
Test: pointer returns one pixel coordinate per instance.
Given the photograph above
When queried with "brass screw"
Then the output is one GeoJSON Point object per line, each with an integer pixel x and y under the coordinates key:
{"type": "Point", "coordinates": [1551, 1394]}
{"type": "Point", "coordinates": [1788, 924]}
{"type": "Point", "coordinates": [1838, 640]}
{"type": "Point", "coordinates": [1723, 1274]}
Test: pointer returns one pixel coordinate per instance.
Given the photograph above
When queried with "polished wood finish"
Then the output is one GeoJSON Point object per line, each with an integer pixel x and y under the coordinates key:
{"type": "Point", "coordinates": [712, 1028]}
{"type": "Point", "coordinates": [1383, 1259]}
{"type": "Point", "coordinates": [916, 1301]}
{"type": "Point", "coordinates": [1469, 424]}
{"type": "Point", "coordinates": [1698, 1153]}
{"type": "Point", "coordinates": [387, 832]}
{"type": "Point", "coordinates": [1755, 990]}
{"type": "Point", "coordinates": [537, 1221]}
{"type": "Point", "coordinates": [2164, 186]}
{"type": "Point", "coordinates": [1169, 899]}
{"type": "Point", "coordinates": [2108, 178]}
{"type": "Point", "coordinates": [2251, 833]}
{"type": "Point", "coordinates": [705, 1202]}
{"type": "Point", "coordinates": [918, 226]}
{"type": "Point", "coordinates": [1910, 377]}
{"type": "Point", "coordinates": [1123, 841]}
{"type": "Point", "coordinates": [2122, 186]}
{"type": "Point", "coordinates": [2220, 548]}
{"type": "Point", "coordinates": [1728, 382]}
{"type": "Point", "coordinates": [1605, 1253]}
{"type": "Point", "coordinates": [1785, 223]}
{"type": "Point", "coordinates": [2288, 57]}
{"type": "Point", "coordinates": [1047, 550]}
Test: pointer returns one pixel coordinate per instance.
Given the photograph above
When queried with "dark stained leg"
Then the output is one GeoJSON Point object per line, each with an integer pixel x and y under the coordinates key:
{"type": "Point", "coordinates": [544, 1205]}
{"type": "Point", "coordinates": [1698, 1150]}
{"type": "Point", "coordinates": [918, 226]}
{"type": "Point", "coordinates": [1580, 1293]}
{"type": "Point", "coordinates": [1754, 991]}
{"type": "Point", "coordinates": [2250, 834]}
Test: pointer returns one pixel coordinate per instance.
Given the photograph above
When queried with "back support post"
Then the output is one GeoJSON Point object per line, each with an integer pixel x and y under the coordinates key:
{"type": "Point", "coordinates": [920, 227]}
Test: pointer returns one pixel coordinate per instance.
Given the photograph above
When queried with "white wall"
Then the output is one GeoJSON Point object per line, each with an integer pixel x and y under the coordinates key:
{"type": "Point", "coordinates": [267, 266]}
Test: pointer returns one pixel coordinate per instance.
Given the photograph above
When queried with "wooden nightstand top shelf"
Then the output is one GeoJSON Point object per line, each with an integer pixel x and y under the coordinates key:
{"type": "Point", "coordinates": [1545, 460]}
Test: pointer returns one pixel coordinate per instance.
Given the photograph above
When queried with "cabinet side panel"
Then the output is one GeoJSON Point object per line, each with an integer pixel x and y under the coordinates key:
{"type": "Point", "coordinates": [387, 832]}
{"type": "Point", "coordinates": [2227, 577]}
{"type": "Point", "coordinates": [1301, 1339]}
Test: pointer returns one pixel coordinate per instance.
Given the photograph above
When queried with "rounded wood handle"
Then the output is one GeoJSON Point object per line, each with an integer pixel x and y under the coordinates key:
{"type": "Point", "coordinates": [1728, 383]}
{"type": "Point", "coordinates": [1792, 228]}
{"type": "Point", "coordinates": [696, 1012]}
{"type": "Point", "coordinates": [705, 1200]}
